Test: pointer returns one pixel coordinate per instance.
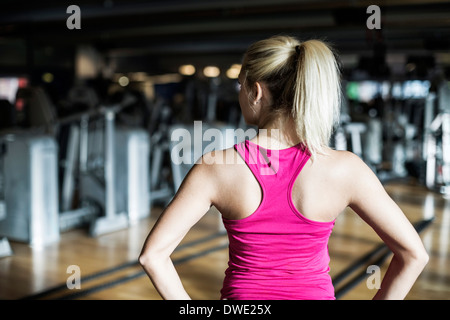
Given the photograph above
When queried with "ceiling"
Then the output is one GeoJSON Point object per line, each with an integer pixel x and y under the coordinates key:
{"type": "Point", "coordinates": [157, 36]}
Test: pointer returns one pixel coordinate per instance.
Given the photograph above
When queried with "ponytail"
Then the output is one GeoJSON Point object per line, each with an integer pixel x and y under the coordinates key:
{"type": "Point", "coordinates": [317, 94]}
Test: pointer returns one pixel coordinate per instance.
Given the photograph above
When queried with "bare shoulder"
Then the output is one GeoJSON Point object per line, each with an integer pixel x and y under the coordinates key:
{"type": "Point", "coordinates": [344, 156]}
{"type": "Point", "coordinates": [342, 162]}
{"type": "Point", "coordinates": [337, 162]}
{"type": "Point", "coordinates": [356, 178]}
{"type": "Point", "coordinates": [221, 171]}
{"type": "Point", "coordinates": [221, 165]}
{"type": "Point", "coordinates": [344, 172]}
{"type": "Point", "coordinates": [222, 159]}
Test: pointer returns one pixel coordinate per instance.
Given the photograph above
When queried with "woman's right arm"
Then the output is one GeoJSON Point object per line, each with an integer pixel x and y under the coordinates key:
{"type": "Point", "coordinates": [370, 201]}
{"type": "Point", "coordinates": [190, 203]}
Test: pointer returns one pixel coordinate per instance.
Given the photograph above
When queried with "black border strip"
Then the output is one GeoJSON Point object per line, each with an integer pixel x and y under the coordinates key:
{"type": "Point", "coordinates": [123, 266]}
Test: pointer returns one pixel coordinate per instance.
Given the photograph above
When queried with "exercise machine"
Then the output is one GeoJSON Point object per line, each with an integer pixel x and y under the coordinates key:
{"type": "Point", "coordinates": [111, 165]}
{"type": "Point", "coordinates": [436, 149]}
{"type": "Point", "coordinates": [105, 176]}
{"type": "Point", "coordinates": [5, 248]}
{"type": "Point", "coordinates": [30, 188]}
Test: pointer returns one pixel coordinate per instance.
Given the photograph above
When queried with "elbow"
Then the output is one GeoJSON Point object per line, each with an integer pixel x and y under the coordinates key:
{"type": "Point", "coordinates": [418, 257]}
{"type": "Point", "coordinates": [149, 260]}
{"type": "Point", "coordinates": [144, 259]}
{"type": "Point", "coordinates": [423, 258]}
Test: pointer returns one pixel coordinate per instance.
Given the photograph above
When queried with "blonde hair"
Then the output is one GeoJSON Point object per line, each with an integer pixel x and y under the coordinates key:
{"type": "Point", "coordinates": [304, 81]}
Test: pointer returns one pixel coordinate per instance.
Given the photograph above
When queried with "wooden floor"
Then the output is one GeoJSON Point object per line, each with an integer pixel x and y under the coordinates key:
{"type": "Point", "coordinates": [109, 268]}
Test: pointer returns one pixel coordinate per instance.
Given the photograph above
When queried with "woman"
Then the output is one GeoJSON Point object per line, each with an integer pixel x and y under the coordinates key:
{"type": "Point", "coordinates": [280, 197]}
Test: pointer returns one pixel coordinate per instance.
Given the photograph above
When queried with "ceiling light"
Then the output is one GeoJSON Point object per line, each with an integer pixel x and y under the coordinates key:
{"type": "Point", "coordinates": [187, 70]}
{"type": "Point", "coordinates": [47, 77]}
{"type": "Point", "coordinates": [233, 71]}
{"type": "Point", "coordinates": [211, 71]}
{"type": "Point", "coordinates": [123, 81]}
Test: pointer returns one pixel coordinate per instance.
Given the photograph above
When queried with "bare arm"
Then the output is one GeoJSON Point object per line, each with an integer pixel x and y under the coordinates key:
{"type": "Point", "coordinates": [371, 202]}
{"type": "Point", "coordinates": [191, 202]}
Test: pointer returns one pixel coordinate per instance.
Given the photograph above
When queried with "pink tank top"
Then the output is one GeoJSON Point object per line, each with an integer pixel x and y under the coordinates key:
{"type": "Point", "coordinates": [276, 253]}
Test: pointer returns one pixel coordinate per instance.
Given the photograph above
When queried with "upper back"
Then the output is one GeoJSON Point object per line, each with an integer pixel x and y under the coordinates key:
{"type": "Point", "coordinates": [319, 190]}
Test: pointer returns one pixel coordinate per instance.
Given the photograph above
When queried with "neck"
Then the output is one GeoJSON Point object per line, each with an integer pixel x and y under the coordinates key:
{"type": "Point", "coordinates": [279, 132]}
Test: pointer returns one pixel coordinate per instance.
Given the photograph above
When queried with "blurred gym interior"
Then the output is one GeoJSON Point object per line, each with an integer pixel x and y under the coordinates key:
{"type": "Point", "coordinates": [90, 95]}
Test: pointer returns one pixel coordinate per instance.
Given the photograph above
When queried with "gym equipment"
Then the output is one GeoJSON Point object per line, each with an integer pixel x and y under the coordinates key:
{"type": "Point", "coordinates": [111, 180]}
{"type": "Point", "coordinates": [82, 98]}
{"type": "Point", "coordinates": [373, 143]}
{"type": "Point", "coordinates": [132, 169]}
{"type": "Point", "coordinates": [390, 144]}
{"type": "Point", "coordinates": [40, 111]}
{"type": "Point", "coordinates": [355, 130]}
{"type": "Point", "coordinates": [105, 178]}
{"type": "Point", "coordinates": [104, 191]}
{"type": "Point", "coordinates": [86, 211]}
{"type": "Point", "coordinates": [436, 149]}
{"type": "Point", "coordinates": [2, 189]}
{"type": "Point", "coordinates": [30, 188]}
{"type": "Point", "coordinates": [338, 139]}
{"type": "Point", "coordinates": [160, 182]}
{"type": "Point", "coordinates": [5, 248]}
{"type": "Point", "coordinates": [189, 142]}
{"type": "Point", "coordinates": [29, 183]}
{"type": "Point", "coordinates": [348, 136]}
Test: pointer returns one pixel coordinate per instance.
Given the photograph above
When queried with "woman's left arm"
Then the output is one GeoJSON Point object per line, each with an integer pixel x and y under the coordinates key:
{"type": "Point", "coordinates": [373, 204]}
{"type": "Point", "coordinates": [191, 202]}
